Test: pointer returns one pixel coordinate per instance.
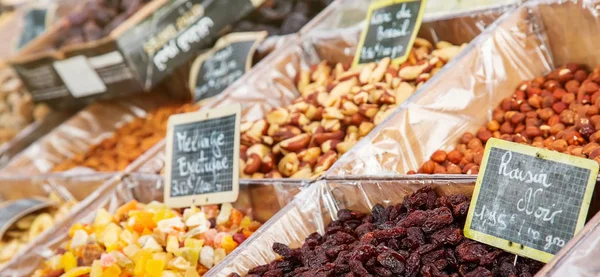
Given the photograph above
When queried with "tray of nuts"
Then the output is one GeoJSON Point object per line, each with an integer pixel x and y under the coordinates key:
{"type": "Point", "coordinates": [526, 80]}
{"type": "Point", "coordinates": [125, 230]}
{"type": "Point", "coordinates": [304, 107]}
{"type": "Point", "coordinates": [425, 239]}
{"type": "Point", "coordinates": [88, 139]}
{"type": "Point", "coordinates": [63, 191]}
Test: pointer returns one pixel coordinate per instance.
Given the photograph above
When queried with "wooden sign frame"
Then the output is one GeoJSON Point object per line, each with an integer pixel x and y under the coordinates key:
{"type": "Point", "coordinates": [210, 198]}
{"type": "Point", "coordinates": [513, 247]}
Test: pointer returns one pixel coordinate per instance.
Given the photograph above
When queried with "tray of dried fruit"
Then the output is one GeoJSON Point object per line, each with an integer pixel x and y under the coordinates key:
{"type": "Point", "coordinates": [109, 136]}
{"type": "Point", "coordinates": [303, 107]}
{"type": "Point", "coordinates": [525, 80]}
{"type": "Point", "coordinates": [317, 234]}
{"type": "Point", "coordinates": [105, 136]}
{"type": "Point", "coordinates": [59, 195]}
{"type": "Point", "coordinates": [124, 230]}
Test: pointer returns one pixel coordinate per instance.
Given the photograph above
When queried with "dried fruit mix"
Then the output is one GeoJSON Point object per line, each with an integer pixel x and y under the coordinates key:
{"type": "Point", "coordinates": [150, 240]}
{"type": "Point", "coordinates": [26, 229]}
{"type": "Point", "coordinates": [559, 111]}
{"type": "Point", "coordinates": [128, 143]}
{"type": "Point", "coordinates": [420, 237]}
{"type": "Point", "coordinates": [337, 107]}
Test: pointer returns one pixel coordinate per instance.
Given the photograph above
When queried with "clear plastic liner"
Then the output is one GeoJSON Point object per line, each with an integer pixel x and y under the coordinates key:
{"type": "Point", "coordinates": [260, 199]}
{"type": "Point", "coordinates": [529, 42]}
{"type": "Point", "coordinates": [76, 135]}
{"type": "Point", "coordinates": [272, 83]}
{"type": "Point", "coordinates": [65, 187]}
{"type": "Point", "coordinates": [317, 205]}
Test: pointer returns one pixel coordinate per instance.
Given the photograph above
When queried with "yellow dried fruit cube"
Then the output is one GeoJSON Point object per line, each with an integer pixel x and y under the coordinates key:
{"type": "Point", "coordinates": [96, 270]}
{"type": "Point", "coordinates": [140, 260]}
{"type": "Point", "coordinates": [191, 272]}
{"type": "Point", "coordinates": [191, 255]}
{"type": "Point", "coordinates": [77, 271]}
{"type": "Point", "coordinates": [193, 243]}
{"type": "Point", "coordinates": [228, 244]}
{"type": "Point", "coordinates": [154, 268]}
{"type": "Point", "coordinates": [102, 218]}
{"type": "Point", "coordinates": [172, 243]}
{"type": "Point", "coordinates": [112, 271]}
{"type": "Point", "coordinates": [131, 250]}
{"type": "Point", "coordinates": [75, 227]}
{"type": "Point", "coordinates": [68, 261]}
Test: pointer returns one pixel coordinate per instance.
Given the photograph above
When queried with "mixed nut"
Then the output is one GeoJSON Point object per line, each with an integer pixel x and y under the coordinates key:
{"type": "Point", "coordinates": [96, 19]}
{"type": "Point", "coordinates": [128, 143]}
{"type": "Point", "coordinates": [26, 229]}
{"type": "Point", "coordinates": [281, 17]}
{"type": "Point", "coordinates": [338, 106]}
{"type": "Point", "coordinates": [560, 112]}
{"type": "Point", "coordinates": [17, 109]}
{"type": "Point", "coordinates": [420, 237]}
{"type": "Point", "coordinates": [150, 240]}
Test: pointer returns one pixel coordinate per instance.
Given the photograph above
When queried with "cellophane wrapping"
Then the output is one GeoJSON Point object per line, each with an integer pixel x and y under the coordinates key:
{"type": "Point", "coordinates": [260, 199]}
{"type": "Point", "coordinates": [317, 205]}
{"type": "Point", "coordinates": [66, 187]}
{"type": "Point", "coordinates": [524, 44]}
{"type": "Point", "coordinates": [332, 37]}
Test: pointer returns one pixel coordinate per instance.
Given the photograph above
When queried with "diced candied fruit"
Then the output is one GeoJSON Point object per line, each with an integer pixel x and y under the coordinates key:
{"type": "Point", "coordinates": [228, 244]}
{"type": "Point", "coordinates": [112, 271]}
{"type": "Point", "coordinates": [76, 271]}
{"type": "Point", "coordinates": [75, 227]}
{"type": "Point", "coordinates": [68, 261]}
{"type": "Point", "coordinates": [143, 221]}
{"type": "Point", "coordinates": [123, 211]}
{"type": "Point", "coordinates": [154, 268]}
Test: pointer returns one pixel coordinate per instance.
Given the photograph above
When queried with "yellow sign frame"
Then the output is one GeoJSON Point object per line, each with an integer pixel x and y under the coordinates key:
{"type": "Point", "coordinates": [382, 4]}
{"type": "Point", "coordinates": [512, 247]}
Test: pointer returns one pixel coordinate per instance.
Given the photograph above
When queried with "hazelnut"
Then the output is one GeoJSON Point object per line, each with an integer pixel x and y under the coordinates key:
{"type": "Point", "coordinates": [439, 156]}
{"type": "Point", "coordinates": [493, 125]}
{"type": "Point", "coordinates": [428, 167]}
{"type": "Point", "coordinates": [455, 156]}
{"type": "Point", "coordinates": [466, 137]}
{"type": "Point", "coordinates": [484, 135]}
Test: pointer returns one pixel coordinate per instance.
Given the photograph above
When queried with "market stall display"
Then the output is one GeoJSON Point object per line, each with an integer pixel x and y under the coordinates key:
{"type": "Point", "coordinates": [338, 106]}
{"type": "Point", "coordinates": [130, 229]}
{"type": "Point", "coordinates": [129, 142]}
{"type": "Point", "coordinates": [66, 194]}
{"type": "Point", "coordinates": [147, 239]}
{"type": "Point", "coordinates": [420, 237]}
{"type": "Point", "coordinates": [531, 62]}
{"type": "Point", "coordinates": [91, 126]}
{"type": "Point", "coordinates": [285, 80]}
{"type": "Point", "coordinates": [26, 229]}
{"type": "Point", "coordinates": [344, 170]}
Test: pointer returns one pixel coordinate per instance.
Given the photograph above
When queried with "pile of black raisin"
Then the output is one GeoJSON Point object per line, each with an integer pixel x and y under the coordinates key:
{"type": "Point", "coordinates": [420, 237]}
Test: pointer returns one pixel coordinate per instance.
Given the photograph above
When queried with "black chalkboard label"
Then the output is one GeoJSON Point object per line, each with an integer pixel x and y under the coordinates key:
{"type": "Point", "coordinates": [390, 30]}
{"type": "Point", "coordinates": [213, 72]}
{"type": "Point", "coordinates": [203, 157]}
{"type": "Point", "coordinates": [15, 210]}
{"type": "Point", "coordinates": [35, 24]}
{"type": "Point", "coordinates": [529, 201]}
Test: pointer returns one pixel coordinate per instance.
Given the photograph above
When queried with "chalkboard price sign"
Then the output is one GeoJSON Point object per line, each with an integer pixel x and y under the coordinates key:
{"type": "Point", "coordinates": [529, 201]}
{"type": "Point", "coordinates": [214, 71]}
{"type": "Point", "coordinates": [203, 157]}
{"type": "Point", "coordinates": [390, 31]}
